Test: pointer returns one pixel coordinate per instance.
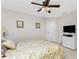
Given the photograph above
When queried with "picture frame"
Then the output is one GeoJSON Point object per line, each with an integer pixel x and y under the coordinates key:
{"type": "Point", "coordinates": [20, 24]}
{"type": "Point", "coordinates": [37, 25]}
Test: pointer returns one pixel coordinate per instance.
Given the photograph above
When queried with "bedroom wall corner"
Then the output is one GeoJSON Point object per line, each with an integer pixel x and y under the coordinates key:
{"type": "Point", "coordinates": [29, 31]}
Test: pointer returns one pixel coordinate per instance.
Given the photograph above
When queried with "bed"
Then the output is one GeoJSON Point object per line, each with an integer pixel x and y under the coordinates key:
{"type": "Point", "coordinates": [36, 49]}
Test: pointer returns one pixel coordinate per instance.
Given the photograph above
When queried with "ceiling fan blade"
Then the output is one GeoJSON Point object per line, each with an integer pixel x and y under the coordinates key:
{"type": "Point", "coordinates": [49, 11]}
{"type": "Point", "coordinates": [56, 6]}
{"type": "Point", "coordinates": [36, 3]}
{"type": "Point", "coordinates": [45, 3]}
{"type": "Point", "coordinates": [39, 10]}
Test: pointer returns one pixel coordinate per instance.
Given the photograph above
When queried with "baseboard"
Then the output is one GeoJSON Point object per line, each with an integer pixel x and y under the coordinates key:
{"type": "Point", "coordinates": [55, 42]}
{"type": "Point", "coordinates": [70, 48]}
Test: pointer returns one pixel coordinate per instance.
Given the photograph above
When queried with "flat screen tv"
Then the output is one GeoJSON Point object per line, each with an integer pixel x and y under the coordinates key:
{"type": "Point", "coordinates": [69, 29]}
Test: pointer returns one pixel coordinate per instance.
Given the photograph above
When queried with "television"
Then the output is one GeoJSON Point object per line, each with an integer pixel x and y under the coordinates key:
{"type": "Point", "coordinates": [69, 29]}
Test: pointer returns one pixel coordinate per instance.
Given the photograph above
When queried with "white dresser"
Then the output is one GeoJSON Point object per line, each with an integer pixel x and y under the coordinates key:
{"type": "Point", "coordinates": [69, 40]}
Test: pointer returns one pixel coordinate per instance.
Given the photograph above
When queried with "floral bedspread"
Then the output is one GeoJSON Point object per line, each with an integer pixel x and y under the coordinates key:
{"type": "Point", "coordinates": [36, 49]}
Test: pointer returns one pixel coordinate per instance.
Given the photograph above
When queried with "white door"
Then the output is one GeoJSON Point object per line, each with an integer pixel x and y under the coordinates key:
{"type": "Point", "coordinates": [51, 30]}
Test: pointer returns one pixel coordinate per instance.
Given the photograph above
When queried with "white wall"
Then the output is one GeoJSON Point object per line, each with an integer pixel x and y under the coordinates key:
{"type": "Point", "coordinates": [9, 19]}
{"type": "Point", "coordinates": [29, 31]}
{"type": "Point", "coordinates": [67, 19]}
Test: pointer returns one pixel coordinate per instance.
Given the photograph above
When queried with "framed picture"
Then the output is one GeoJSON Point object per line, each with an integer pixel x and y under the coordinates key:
{"type": "Point", "coordinates": [20, 24]}
{"type": "Point", "coordinates": [37, 25]}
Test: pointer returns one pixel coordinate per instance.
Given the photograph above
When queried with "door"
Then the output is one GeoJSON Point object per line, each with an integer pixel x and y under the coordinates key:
{"type": "Point", "coordinates": [51, 30]}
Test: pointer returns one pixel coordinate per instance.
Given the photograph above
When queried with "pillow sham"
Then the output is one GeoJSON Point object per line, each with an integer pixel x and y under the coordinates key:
{"type": "Point", "coordinates": [9, 44]}
{"type": "Point", "coordinates": [3, 39]}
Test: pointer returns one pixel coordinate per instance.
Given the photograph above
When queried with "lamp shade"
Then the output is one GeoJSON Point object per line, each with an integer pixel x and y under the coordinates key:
{"type": "Point", "coordinates": [3, 32]}
{"type": "Point", "coordinates": [4, 29]}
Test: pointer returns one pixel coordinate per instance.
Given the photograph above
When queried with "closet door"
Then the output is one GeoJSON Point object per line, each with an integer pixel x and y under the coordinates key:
{"type": "Point", "coordinates": [51, 30]}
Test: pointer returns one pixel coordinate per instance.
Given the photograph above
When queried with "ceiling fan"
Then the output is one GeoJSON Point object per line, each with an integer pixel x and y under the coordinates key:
{"type": "Point", "coordinates": [45, 6]}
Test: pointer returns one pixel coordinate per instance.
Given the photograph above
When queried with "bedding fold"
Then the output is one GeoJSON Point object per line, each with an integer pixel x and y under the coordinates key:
{"type": "Point", "coordinates": [36, 49]}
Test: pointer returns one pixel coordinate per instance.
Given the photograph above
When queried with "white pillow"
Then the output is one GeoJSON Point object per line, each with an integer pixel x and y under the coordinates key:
{"type": "Point", "coordinates": [2, 38]}
{"type": "Point", "coordinates": [9, 44]}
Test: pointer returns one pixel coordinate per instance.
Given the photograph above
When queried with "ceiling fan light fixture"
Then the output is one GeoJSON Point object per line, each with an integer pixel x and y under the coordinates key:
{"type": "Point", "coordinates": [45, 9]}
{"type": "Point", "coordinates": [45, 6]}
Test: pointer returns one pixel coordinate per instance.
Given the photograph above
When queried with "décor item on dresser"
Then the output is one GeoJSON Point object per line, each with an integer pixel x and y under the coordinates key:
{"type": "Point", "coordinates": [20, 24]}
{"type": "Point", "coordinates": [9, 44]}
{"type": "Point", "coordinates": [4, 32]}
{"type": "Point", "coordinates": [37, 24]}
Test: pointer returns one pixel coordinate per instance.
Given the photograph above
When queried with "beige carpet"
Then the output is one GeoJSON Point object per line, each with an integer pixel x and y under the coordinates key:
{"type": "Point", "coordinates": [70, 54]}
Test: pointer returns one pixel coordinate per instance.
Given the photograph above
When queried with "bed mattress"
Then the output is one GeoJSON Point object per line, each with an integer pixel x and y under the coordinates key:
{"type": "Point", "coordinates": [36, 49]}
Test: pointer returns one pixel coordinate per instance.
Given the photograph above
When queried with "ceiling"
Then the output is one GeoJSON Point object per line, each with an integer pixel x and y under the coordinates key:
{"type": "Point", "coordinates": [25, 6]}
